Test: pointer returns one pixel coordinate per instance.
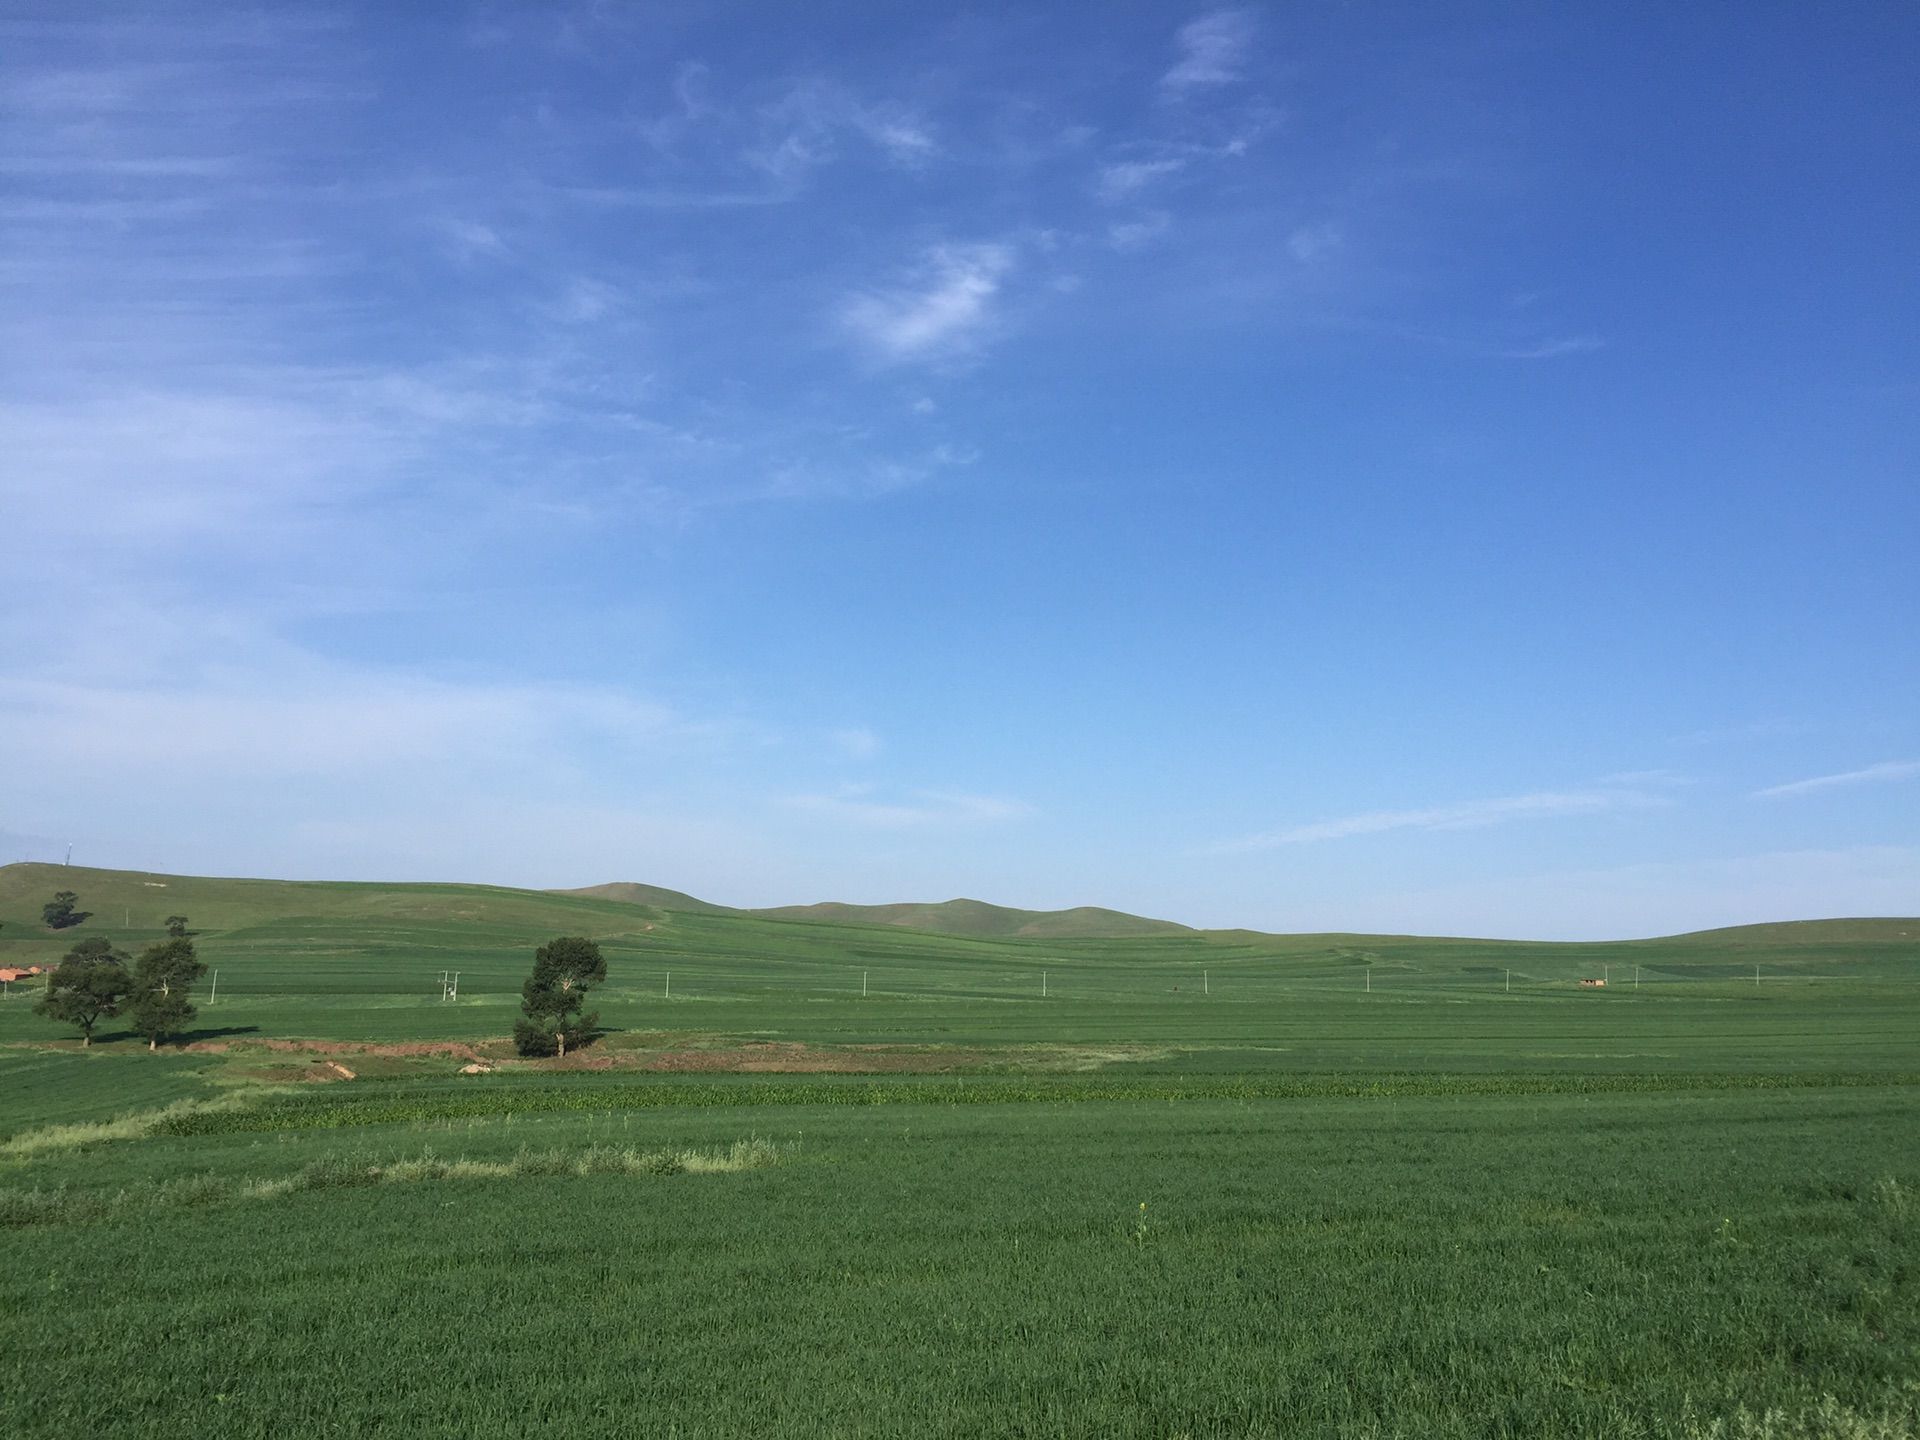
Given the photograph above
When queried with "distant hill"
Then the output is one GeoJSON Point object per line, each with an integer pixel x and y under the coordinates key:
{"type": "Point", "coordinates": [628, 892]}
{"type": "Point", "coordinates": [947, 917]}
{"type": "Point", "coordinates": [136, 902]}
{"type": "Point", "coordinates": [1862, 930]}
{"type": "Point", "coordinates": [976, 917]}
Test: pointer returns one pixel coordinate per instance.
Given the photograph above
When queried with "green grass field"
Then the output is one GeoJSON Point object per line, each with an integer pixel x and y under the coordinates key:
{"type": "Point", "coordinates": [1383, 1194]}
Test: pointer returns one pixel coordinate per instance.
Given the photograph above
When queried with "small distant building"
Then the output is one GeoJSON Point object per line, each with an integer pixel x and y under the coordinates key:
{"type": "Point", "coordinates": [1594, 984]}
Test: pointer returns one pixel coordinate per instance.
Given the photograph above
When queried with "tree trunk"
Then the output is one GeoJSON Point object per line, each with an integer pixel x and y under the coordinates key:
{"type": "Point", "coordinates": [561, 1036]}
{"type": "Point", "coordinates": [86, 1039]}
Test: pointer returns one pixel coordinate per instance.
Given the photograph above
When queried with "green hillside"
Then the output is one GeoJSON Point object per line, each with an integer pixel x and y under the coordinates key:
{"type": "Point", "coordinates": [975, 917]}
{"type": "Point", "coordinates": [947, 917]}
{"type": "Point", "coordinates": [363, 962]}
{"type": "Point", "coordinates": [658, 896]}
{"type": "Point", "coordinates": [137, 902]}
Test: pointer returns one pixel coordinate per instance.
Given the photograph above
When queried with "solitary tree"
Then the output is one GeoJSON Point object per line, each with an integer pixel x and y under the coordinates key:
{"type": "Point", "coordinates": [63, 911]}
{"type": "Point", "coordinates": [555, 994]}
{"type": "Point", "coordinates": [161, 977]}
{"type": "Point", "coordinates": [86, 987]}
{"type": "Point", "coordinates": [177, 926]}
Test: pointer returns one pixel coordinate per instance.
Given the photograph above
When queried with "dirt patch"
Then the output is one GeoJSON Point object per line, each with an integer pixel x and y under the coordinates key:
{"type": "Point", "coordinates": [399, 1050]}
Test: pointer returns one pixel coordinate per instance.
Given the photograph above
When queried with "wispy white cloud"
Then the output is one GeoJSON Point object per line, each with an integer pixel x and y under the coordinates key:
{"type": "Point", "coordinates": [943, 309]}
{"type": "Point", "coordinates": [1468, 815]}
{"type": "Point", "coordinates": [1212, 50]}
{"type": "Point", "coordinates": [862, 477]}
{"type": "Point", "coordinates": [1493, 346]}
{"type": "Point", "coordinates": [318, 721]}
{"type": "Point", "coordinates": [1137, 234]}
{"type": "Point", "coordinates": [805, 127]}
{"type": "Point", "coordinates": [1126, 178]}
{"type": "Point", "coordinates": [1552, 349]}
{"type": "Point", "coordinates": [1888, 772]}
{"type": "Point", "coordinates": [470, 240]}
{"type": "Point", "coordinates": [856, 742]}
{"type": "Point", "coordinates": [917, 809]}
{"type": "Point", "coordinates": [1312, 243]}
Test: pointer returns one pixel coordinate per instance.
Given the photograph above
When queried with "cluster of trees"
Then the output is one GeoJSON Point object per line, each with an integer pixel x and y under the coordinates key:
{"type": "Point", "coordinates": [553, 1001]}
{"type": "Point", "coordinates": [94, 982]}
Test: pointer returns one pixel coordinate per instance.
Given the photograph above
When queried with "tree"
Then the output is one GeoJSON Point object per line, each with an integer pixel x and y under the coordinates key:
{"type": "Point", "coordinates": [63, 911]}
{"type": "Point", "coordinates": [177, 926]}
{"type": "Point", "coordinates": [86, 987]}
{"type": "Point", "coordinates": [554, 995]}
{"type": "Point", "coordinates": [161, 977]}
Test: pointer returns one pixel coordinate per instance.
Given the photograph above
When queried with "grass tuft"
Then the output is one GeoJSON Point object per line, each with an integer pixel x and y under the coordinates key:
{"type": "Point", "coordinates": [1826, 1419]}
{"type": "Point", "coordinates": [1893, 1200]}
{"type": "Point", "coordinates": [134, 1125]}
{"type": "Point", "coordinates": [61, 1204]}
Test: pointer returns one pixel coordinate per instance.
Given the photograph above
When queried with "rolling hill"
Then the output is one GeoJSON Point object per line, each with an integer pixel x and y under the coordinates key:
{"type": "Point", "coordinates": [947, 917]}
{"type": "Point", "coordinates": [139, 901]}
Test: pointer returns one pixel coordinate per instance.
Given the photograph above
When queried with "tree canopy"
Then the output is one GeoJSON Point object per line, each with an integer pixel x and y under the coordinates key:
{"type": "Point", "coordinates": [86, 987]}
{"type": "Point", "coordinates": [63, 911]}
{"type": "Point", "coordinates": [161, 977]}
{"type": "Point", "coordinates": [177, 926]}
{"type": "Point", "coordinates": [554, 997]}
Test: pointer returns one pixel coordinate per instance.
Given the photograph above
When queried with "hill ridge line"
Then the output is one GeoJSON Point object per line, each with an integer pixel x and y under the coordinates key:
{"type": "Point", "coordinates": [26, 885]}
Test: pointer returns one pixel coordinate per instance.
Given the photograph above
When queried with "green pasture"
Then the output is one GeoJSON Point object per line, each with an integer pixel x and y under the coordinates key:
{"type": "Point", "coordinates": [1443, 1265]}
{"type": "Point", "coordinates": [1207, 1184]}
{"type": "Point", "coordinates": [365, 962]}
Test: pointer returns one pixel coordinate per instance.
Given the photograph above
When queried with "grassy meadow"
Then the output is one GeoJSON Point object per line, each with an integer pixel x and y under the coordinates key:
{"type": "Point", "coordinates": [1208, 1184]}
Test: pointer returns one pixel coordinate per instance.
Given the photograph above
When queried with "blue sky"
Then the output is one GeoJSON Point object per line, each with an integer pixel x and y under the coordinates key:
{"type": "Point", "coordinates": [1299, 466]}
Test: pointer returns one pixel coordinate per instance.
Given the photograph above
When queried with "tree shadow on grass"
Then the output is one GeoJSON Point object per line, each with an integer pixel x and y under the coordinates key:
{"type": "Point", "coordinates": [173, 1042]}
